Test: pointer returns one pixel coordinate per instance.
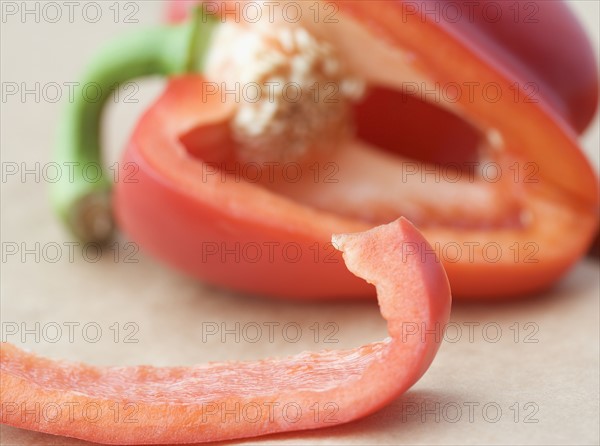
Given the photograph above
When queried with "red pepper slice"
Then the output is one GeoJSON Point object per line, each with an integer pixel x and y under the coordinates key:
{"type": "Point", "coordinates": [195, 404]}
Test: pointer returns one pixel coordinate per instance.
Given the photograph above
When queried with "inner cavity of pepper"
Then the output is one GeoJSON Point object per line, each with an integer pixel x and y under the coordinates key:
{"type": "Point", "coordinates": [313, 126]}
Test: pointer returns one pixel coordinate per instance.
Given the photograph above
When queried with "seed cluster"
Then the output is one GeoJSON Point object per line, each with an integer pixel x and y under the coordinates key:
{"type": "Point", "coordinates": [300, 92]}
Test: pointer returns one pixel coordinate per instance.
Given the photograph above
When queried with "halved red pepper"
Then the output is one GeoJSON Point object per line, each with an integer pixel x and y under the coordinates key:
{"type": "Point", "coordinates": [220, 401]}
{"type": "Point", "coordinates": [507, 239]}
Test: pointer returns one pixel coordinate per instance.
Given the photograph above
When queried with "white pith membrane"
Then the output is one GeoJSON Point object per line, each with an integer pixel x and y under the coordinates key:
{"type": "Point", "coordinates": [339, 172]}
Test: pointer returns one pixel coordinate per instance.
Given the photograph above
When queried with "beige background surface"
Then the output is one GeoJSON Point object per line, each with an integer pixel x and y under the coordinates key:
{"type": "Point", "coordinates": [550, 373]}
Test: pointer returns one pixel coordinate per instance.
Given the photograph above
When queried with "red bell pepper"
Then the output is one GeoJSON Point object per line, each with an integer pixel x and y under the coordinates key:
{"type": "Point", "coordinates": [220, 401]}
{"type": "Point", "coordinates": [506, 238]}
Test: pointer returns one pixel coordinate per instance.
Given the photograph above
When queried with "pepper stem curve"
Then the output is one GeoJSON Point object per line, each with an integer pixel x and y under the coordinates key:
{"type": "Point", "coordinates": [82, 199]}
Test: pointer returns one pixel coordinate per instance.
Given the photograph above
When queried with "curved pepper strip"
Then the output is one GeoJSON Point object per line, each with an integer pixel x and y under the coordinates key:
{"type": "Point", "coordinates": [173, 212]}
{"type": "Point", "coordinates": [188, 404]}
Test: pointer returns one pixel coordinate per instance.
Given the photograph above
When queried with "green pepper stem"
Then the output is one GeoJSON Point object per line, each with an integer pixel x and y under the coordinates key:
{"type": "Point", "coordinates": [82, 198]}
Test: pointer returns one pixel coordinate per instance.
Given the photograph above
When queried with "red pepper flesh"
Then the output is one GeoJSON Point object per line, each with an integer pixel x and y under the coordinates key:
{"type": "Point", "coordinates": [189, 404]}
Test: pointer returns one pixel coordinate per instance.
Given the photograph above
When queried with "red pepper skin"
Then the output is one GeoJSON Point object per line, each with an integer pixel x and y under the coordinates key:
{"type": "Point", "coordinates": [536, 41]}
{"type": "Point", "coordinates": [540, 42]}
